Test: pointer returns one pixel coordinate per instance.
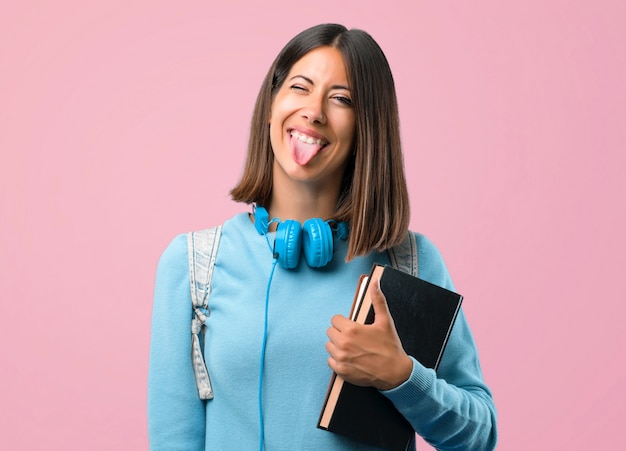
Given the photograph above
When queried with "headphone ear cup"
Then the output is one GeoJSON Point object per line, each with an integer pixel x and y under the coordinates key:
{"type": "Point", "coordinates": [288, 243]}
{"type": "Point", "coordinates": [317, 243]}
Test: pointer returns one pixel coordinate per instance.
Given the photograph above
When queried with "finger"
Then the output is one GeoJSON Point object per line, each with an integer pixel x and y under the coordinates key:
{"type": "Point", "coordinates": [333, 334]}
{"type": "Point", "coordinates": [340, 322]}
{"type": "Point", "coordinates": [332, 364]}
{"type": "Point", "coordinates": [334, 355]}
{"type": "Point", "coordinates": [379, 302]}
{"type": "Point", "coordinates": [341, 339]}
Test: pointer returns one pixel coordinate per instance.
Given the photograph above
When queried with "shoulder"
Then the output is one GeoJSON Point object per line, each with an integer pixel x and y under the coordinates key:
{"type": "Point", "coordinates": [432, 266]}
{"type": "Point", "coordinates": [175, 254]}
{"type": "Point", "coordinates": [174, 260]}
{"type": "Point", "coordinates": [172, 272]}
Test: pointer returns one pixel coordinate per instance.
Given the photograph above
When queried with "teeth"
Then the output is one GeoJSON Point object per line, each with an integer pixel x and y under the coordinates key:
{"type": "Point", "coordinates": [306, 139]}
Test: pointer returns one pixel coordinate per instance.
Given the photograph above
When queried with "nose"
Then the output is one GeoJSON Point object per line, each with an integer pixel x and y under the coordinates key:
{"type": "Point", "coordinates": [313, 111]}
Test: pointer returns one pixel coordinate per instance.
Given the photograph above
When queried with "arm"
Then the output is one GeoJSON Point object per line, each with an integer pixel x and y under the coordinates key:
{"type": "Point", "coordinates": [176, 415]}
{"type": "Point", "coordinates": [451, 409]}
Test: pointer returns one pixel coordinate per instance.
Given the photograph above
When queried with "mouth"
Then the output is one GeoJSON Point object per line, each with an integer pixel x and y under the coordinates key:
{"type": "Point", "coordinates": [307, 139]}
{"type": "Point", "coordinates": [305, 146]}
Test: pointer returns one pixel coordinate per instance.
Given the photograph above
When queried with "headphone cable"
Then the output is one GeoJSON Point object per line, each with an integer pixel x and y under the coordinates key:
{"type": "Point", "coordinates": [262, 363]}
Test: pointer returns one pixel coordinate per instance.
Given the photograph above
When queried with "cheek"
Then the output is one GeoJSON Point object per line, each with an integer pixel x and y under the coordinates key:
{"type": "Point", "coordinates": [347, 123]}
{"type": "Point", "coordinates": [348, 131]}
{"type": "Point", "coordinates": [275, 132]}
{"type": "Point", "coordinates": [282, 106]}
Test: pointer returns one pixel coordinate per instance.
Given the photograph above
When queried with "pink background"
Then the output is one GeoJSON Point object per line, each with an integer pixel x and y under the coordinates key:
{"type": "Point", "coordinates": [123, 123]}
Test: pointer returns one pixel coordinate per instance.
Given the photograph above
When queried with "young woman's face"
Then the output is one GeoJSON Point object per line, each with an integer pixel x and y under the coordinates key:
{"type": "Point", "coordinates": [312, 120]}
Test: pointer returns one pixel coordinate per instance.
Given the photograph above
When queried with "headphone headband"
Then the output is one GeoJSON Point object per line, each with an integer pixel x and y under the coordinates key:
{"type": "Point", "coordinates": [315, 238]}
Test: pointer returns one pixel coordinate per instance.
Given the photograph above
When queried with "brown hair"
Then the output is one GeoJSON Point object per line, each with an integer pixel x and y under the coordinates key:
{"type": "Point", "coordinates": [374, 197]}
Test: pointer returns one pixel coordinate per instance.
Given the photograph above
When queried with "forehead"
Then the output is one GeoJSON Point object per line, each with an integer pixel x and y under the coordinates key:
{"type": "Point", "coordinates": [323, 64]}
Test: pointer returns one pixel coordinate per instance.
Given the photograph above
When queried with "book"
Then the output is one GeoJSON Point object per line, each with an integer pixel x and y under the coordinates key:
{"type": "Point", "coordinates": [423, 314]}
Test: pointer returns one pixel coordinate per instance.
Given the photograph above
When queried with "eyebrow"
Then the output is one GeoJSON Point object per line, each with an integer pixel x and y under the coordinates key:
{"type": "Point", "coordinates": [308, 80]}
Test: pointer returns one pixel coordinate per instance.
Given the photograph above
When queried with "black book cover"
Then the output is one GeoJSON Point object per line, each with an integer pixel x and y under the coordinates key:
{"type": "Point", "coordinates": [423, 314]}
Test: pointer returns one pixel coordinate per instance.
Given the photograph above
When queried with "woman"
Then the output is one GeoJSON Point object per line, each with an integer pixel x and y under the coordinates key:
{"type": "Point", "coordinates": [324, 143]}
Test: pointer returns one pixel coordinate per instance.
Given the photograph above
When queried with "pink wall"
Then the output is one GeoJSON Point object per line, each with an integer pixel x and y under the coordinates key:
{"type": "Point", "coordinates": [125, 123]}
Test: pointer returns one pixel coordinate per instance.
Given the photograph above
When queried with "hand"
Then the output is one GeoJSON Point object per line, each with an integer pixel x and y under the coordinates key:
{"type": "Point", "coordinates": [369, 354]}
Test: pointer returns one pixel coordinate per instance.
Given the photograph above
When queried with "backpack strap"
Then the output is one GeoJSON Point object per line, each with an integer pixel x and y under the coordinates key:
{"type": "Point", "coordinates": [202, 249]}
{"type": "Point", "coordinates": [404, 255]}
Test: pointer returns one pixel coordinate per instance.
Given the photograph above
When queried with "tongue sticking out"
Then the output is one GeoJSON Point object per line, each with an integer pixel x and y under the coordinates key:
{"type": "Point", "coordinates": [304, 152]}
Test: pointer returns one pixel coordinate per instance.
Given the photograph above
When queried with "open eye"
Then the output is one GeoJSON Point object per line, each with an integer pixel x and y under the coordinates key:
{"type": "Point", "coordinates": [343, 99]}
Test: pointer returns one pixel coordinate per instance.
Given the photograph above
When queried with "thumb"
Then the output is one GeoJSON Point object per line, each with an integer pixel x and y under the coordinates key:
{"type": "Point", "coordinates": [379, 302]}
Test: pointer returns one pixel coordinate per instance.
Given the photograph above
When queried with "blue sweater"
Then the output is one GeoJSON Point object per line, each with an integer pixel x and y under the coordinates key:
{"type": "Point", "coordinates": [452, 409]}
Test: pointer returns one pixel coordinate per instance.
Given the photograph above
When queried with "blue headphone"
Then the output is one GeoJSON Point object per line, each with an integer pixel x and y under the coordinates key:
{"type": "Point", "coordinates": [314, 238]}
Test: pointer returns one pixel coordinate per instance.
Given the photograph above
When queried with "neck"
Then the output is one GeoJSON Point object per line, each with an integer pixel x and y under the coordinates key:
{"type": "Point", "coordinates": [303, 198]}
{"type": "Point", "coordinates": [301, 209]}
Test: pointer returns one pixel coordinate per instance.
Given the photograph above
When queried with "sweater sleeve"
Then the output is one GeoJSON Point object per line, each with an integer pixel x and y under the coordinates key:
{"type": "Point", "coordinates": [176, 415]}
{"type": "Point", "coordinates": [452, 409]}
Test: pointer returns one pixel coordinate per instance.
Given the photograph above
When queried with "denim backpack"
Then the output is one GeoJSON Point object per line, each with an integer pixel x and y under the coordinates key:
{"type": "Point", "coordinates": [202, 251]}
